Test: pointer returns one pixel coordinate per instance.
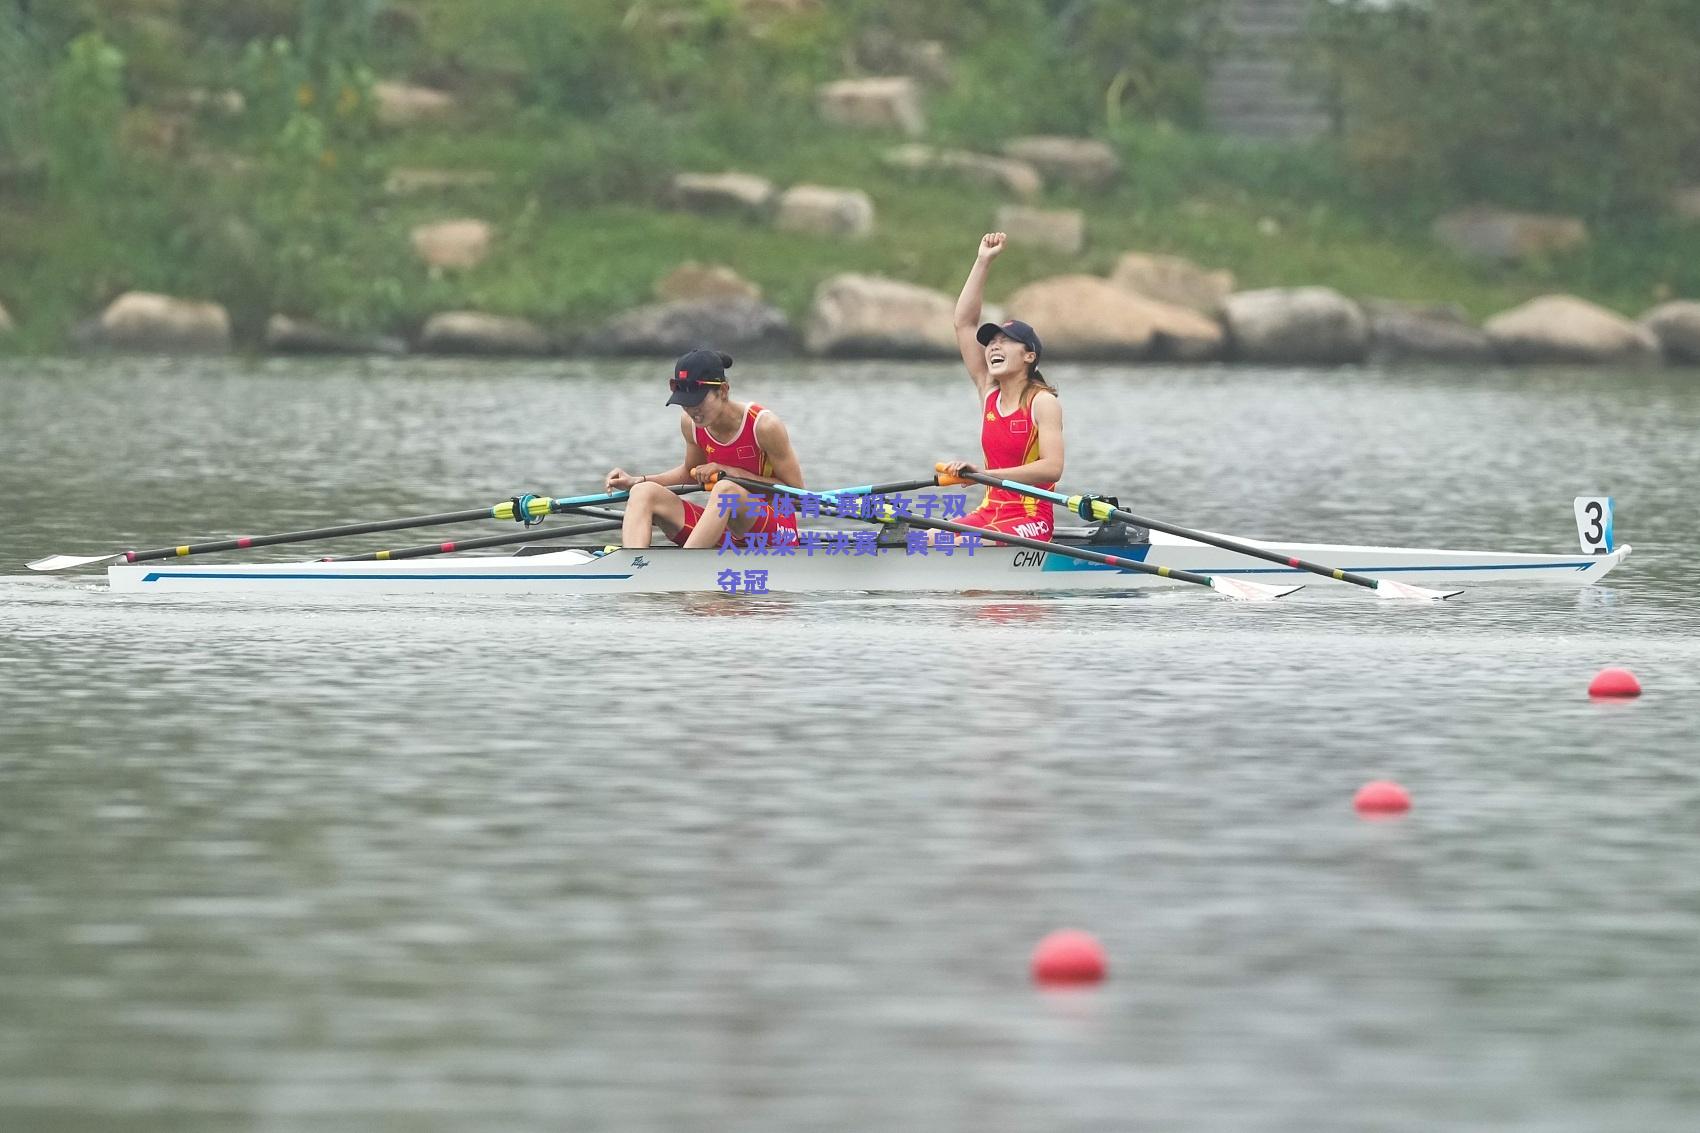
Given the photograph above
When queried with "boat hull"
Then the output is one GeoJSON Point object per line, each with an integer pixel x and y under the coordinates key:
{"type": "Point", "coordinates": [990, 568]}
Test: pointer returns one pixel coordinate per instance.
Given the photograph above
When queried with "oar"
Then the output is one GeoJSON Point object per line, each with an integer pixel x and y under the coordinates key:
{"type": "Point", "coordinates": [1231, 587]}
{"type": "Point", "coordinates": [860, 489]}
{"type": "Point", "coordinates": [1096, 507]}
{"type": "Point", "coordinates": [529, 506]}
{"type": "Point", "coordinates": [425, 550]}
{"type": "Point", "coordinates": [605, 521]}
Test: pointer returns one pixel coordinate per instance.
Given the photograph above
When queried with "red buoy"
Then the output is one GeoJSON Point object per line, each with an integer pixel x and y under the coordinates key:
{"type": "Point", "coordinates": [1068, 956]}
{"type": "Point", "coordinates": [1381, 797]}
{"type": "Point", "coordinates": [1614, 682]}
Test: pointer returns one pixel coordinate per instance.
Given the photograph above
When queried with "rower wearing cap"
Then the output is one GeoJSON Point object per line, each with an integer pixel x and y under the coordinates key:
{"type": "Point", "coordinates": [721, 436]}
{"type": "Point", "coordinates": [1021, 431]}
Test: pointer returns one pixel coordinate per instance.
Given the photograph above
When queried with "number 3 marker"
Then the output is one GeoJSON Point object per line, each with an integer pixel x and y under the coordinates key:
{"type": "Point", "coordinates": [1593, 524]}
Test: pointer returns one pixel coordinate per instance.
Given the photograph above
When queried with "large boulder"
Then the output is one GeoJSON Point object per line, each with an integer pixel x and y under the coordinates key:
{"type": "Point", "coordinates": [403, 104]}
{"type": "Point", "coordinates": [871, 316]}
{"type": "Point", "coordinates": [1017, 177]}
{"type": "Point", "coordinates": [1502, 236]}
{"type": "Point", "coordinates": [672, 328]}
{"type": "Point", "coordinates": [146, 322]}
{"type": "Point", "coordinates": [285, 335]}
{"type": "Point", "coordinates": [1563, 328]}
{"type": "Point", "coordinates": [474, 332]}
{"type": "Point", "coordinates": [1054, 230]}
{"type": "Point", "coordinates": [723, 194]}
{"type": "Point", "coordinates": [821, 211]}
{"type": "Point", "coordinates": [890, 103]}
{"type": "Point", "coordinates": [1172, 279]}
{"type": "Point", "coordinates": [691, 280]}
{"type": "Point", "coordinates": [1085, 162]}
{"type": "Point", "coordinates": [452, 243]}
{"type": "Point", "coordinates": [1405, 332]}
{"type": "Point", "coordinates": [1083, 316]}
{"type": "Point", "coordinates": [1677, 327]}
{"type": "Point", "coordinates": [1299, 325]}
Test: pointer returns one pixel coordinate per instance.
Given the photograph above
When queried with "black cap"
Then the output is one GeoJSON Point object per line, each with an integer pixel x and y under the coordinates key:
{"type": "Point", "coordinates": [696, 373]}
{"type": "Point", "coordinates": [1016, 329]}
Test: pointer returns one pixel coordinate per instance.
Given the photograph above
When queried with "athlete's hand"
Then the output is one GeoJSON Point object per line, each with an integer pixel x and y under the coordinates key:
{"type": "Point", "coordinates": [991, 244]}
{"type": "Point", "coordinates": [705, 474]}
{"type": "Point", "coordinates": [957, 467]}
{"type": "Point", "coordinates": [618, 481]}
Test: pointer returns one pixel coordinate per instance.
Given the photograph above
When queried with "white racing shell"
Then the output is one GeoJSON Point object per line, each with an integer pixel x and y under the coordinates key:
{"type": "Point", "coordinates": [989, 568]}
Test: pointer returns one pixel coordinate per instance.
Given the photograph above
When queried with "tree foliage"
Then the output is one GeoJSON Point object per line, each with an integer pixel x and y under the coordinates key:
{"type": "Point", "coordinates": [1577, 104]}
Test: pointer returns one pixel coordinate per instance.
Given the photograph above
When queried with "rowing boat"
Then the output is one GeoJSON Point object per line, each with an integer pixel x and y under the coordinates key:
{"type": "Point", "coordinates": [832, 566]}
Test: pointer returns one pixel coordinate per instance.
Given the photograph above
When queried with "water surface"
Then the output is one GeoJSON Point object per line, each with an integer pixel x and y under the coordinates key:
{"type": "Point", "coordinates": [776, 863]}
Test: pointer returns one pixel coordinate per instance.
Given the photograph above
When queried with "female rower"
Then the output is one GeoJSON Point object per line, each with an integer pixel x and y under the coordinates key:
{"type": "Point", "coordinates": [722, 437]}
{"type": "Point", "coordinates": [1021, 432]}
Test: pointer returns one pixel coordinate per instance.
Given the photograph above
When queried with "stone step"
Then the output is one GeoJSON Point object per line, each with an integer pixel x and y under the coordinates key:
{"type": "Point", "coordinates": [1293, 126]}
{"type": "Point", "coordinates": [1266, 20]}
{"type": "Point", "coordinates": [1254, 90]}
{"type": "Point", "coordinates": [1232, 68]}
{"type": "Point", "coordinates": [1226, 113]}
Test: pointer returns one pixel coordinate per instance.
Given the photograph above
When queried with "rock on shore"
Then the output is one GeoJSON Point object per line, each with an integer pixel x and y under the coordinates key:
{"type": "Point", "coordinates": [1405, 332]}
{"type": "Point", "coordinates": [145, 322]}
{"type": "Point", "coordinates": [1083, 162]}
{"type": "Point", "coordinates": [1172, 279]}
{"type": "Point", "coordinates": [1296, 326]}
{"type": "Point", "coordinates": [818, 210]}
{"type": "Point", "coordinates": [693, 280]}
{"type": "Point", "coordinates": [871, 316]}
{"type": "Point", "coordinates": [883, 103]}
{"type": "Point", "coordinates": [1677, 327]}
{"type": "Point", "coordinates": [285, 335]}
{"type": "Point", "coordinates": [1563, 328]}
{"type": "Point", "coordinates": [462, 243]}
{"type": "Point", "coordinates": [1055, 230]}
{"type": "Point", "coordinates": [1085, 317]}
{"type": "Point", "coordinates": [732, 324]}
{"type": "Point", "coordinates": [474, 332]}
{"type": "Point", "coordinates": [722, 194]}
{"type": "Point", "coordinates": [1008, 173]}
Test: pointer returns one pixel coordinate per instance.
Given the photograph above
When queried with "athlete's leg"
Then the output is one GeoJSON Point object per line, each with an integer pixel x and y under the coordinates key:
{"type": "Point", "coordinates": [1010, 522]}
{"type": "Point", "coordinates": [650, 505]}
{"type": "Point", "coordinates": [734, 516]}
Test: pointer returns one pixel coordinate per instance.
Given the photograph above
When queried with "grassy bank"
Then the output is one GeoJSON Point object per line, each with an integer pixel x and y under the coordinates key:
{"type": "Point", "coordinates": [209, 206]}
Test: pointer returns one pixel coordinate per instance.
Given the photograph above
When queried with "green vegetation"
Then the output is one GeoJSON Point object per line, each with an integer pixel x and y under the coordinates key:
{"type": "Point", "coordinates": [122, 166]}
{"type": "Point", "coordinates": [1542, 103]}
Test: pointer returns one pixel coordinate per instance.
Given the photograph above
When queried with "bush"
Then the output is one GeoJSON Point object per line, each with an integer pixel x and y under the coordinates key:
{"type": "Point", "coordinates": [85, 107]}
{"type": "Point", "coordinates": [1065, 66]}
{"type": "Point", "coordinates": [1572, 104]}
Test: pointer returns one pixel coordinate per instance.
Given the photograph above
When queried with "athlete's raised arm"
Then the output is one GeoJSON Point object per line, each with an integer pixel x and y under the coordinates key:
{"type": "Point", "coordinates": [968, 306]}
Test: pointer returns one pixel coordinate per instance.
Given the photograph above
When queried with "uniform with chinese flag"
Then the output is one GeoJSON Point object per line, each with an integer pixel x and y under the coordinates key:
{"type": "Point", "coordinates": [1009, 442]}
{"type": "Point", "coordinates": [744, 454]}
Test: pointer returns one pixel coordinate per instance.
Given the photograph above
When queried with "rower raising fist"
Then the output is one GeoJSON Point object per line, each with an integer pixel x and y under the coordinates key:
{"type": "Point", "coordinates": [1021, 437]}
